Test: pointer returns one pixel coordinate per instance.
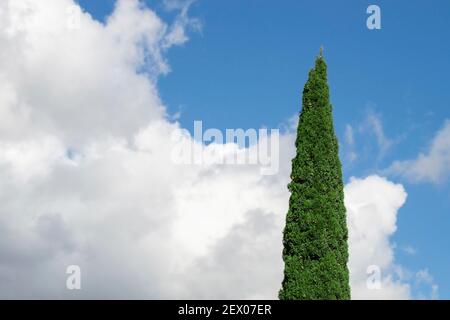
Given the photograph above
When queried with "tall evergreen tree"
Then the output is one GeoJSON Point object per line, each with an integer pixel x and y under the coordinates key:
{"type": "Point", "coordinates": [315, 236]}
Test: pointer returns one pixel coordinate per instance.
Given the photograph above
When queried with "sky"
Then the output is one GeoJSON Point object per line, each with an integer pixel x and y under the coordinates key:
{"type": "Point", "coordinates": [87, 112]}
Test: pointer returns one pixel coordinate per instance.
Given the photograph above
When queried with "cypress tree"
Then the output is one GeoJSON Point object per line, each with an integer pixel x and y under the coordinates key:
{"type": "Point", "coordinates": [315, 250]}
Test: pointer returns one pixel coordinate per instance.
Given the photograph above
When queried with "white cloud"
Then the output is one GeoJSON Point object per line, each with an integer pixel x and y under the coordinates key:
{"type": "Point", "coordinates": [58, 80]}
{"type": "Point", "coordinates": [177, 33]}
{"type": "Point", "coordinates": [86, 175]}
{"type": "Point", "coordinates": [376, 126]}
{"type": "Point", "coordinates": [349, 146]}
{"type": "Point", "coordinates": [359, 137]}
{"type": "Point", "coordinates": [372, 207]}
{"type": "Point", "coordinates": [409, 250]}
{"type": "Point", "coordinates": [433, 166]}
{"type": "Point", "coordinates": [349, 135]}
{"type": "Point", "coordinates": [423, 277]}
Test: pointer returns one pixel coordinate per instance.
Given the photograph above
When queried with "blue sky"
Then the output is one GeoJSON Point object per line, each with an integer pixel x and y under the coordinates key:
{"type": "Point", "coordinates": [247, 66]}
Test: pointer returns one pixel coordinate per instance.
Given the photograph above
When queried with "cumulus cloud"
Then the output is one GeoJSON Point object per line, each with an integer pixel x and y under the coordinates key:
{"type": "Point", "coordinates": [433, 166]}
{"type": "Point", "coordinates": [86, 170]}
{"type": "Point", "coordinates": [59, 81]}
{"type": "Point", "coordinates": [372, 207]}
{"type": "Point", "coordinates": [87, 175]}
{"type": "Point", "coordinates": [245, 262]}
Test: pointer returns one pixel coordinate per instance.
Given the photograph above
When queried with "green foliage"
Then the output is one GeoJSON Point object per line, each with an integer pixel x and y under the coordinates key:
{"type": "Point", "coordinates": [315, 236]}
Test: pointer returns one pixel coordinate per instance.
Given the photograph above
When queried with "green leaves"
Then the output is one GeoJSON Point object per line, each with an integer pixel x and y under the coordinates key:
{"type": "Point", "coordinates": [315, 236]}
